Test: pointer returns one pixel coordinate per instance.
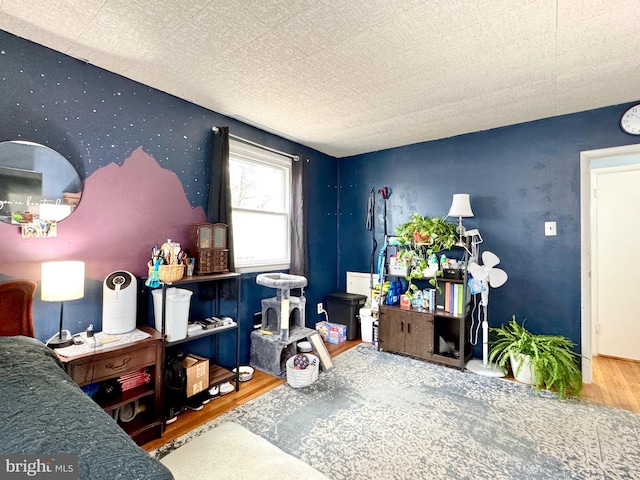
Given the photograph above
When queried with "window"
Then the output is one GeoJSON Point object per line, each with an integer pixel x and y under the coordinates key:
{"type": "Point", "coordinates": [260, 192]}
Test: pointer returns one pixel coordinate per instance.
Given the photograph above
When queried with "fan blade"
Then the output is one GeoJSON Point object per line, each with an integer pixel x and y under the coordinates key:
{"type": "Point", "coordinates": [497, 277]}
{"type": "Point", "coordinates": [477, 271]}
{"type": "Point", "coordinates": [490, 259]}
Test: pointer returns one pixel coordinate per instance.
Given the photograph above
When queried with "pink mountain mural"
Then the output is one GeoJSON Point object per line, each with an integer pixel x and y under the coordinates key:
{"type": "Point", "coordinates": [125, 211]}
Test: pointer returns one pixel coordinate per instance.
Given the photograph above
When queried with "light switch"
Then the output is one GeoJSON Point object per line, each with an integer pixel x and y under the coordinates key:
{"type": "Point", "coordinates": [550, 229]}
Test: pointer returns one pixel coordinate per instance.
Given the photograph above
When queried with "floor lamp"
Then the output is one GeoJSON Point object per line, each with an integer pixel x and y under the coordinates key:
{"type": "Point", "coordinates": [61, 282]}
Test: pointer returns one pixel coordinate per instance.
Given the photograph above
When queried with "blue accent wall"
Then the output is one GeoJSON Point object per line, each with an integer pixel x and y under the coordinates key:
{"type": "Point", "coordinates": [96, 118]}
{"type": "Point", "coordinates": [518, 177]}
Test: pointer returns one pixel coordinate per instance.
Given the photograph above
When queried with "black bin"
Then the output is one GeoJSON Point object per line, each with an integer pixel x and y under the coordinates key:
{"type": "Point", "coordinates": [344, 308]}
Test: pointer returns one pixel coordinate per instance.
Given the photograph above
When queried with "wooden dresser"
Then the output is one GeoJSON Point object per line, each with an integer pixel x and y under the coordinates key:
{"type": "Point", "coordinates": [109, 363]}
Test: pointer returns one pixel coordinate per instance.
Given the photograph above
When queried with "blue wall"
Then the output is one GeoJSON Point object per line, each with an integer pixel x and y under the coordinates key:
{"type": "Point", "coordinates": [518, 177]}
{"type": "Point", "coordinates": [95, 118]}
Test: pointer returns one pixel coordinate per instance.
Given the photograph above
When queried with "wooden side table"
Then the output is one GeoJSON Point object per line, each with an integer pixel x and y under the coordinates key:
{"type": "Point", "coordinates": [113, 362]}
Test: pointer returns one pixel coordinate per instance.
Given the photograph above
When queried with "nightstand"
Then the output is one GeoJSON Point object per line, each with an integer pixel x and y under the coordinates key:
{"type": "Point", "coordinates": [114, 362]}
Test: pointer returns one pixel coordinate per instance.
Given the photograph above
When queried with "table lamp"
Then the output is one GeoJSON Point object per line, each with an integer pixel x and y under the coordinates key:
{"type": "Point", "coordinates": [62, 281]}
{"type": "Point", "coordinates": [460, 207]}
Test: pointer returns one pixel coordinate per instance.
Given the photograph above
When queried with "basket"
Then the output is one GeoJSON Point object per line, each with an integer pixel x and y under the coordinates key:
{"type": "Point", "coordinates": [168, 273]}
{"type": "Point", "coordinates": [303, 378]}
{"type": "Point", "coordinates": [453, 273]}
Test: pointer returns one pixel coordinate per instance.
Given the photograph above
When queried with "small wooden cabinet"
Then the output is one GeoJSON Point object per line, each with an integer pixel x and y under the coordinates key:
{"type": "Point", "coordinates": [406, 331]}
{"type": "Point", "coordinates": [208, 243]}
{"type": "Point", "coordinates": [429, 335]}
{"type": "Point", "coordinates": [113, 362]}
{"type": "Point", "coordinates": [211, 261]}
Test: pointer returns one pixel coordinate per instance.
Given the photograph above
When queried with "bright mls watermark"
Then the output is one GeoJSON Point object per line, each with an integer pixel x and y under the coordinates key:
{"type": "Point", "coordinates": [51, 467]}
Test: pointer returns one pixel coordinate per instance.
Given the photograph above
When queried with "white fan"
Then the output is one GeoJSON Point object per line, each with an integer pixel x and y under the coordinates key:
{"type": "Point", "coordinates": [490, 277]}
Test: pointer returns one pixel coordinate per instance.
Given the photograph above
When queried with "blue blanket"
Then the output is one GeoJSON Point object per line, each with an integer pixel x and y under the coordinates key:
{"type": "Point", "coordinates": [44, 412]}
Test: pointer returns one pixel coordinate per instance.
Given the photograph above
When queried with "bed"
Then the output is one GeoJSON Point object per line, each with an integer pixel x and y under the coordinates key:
{"type": "Point", "coordinates": [44, 412]}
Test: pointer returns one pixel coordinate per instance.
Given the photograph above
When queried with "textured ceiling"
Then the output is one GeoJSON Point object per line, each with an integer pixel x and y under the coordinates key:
{"type": "Point", "coordinates": [354, 76]}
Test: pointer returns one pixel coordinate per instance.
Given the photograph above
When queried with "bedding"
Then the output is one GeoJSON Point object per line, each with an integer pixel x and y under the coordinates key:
{"type": "Point", "coordinates": [44, 412]}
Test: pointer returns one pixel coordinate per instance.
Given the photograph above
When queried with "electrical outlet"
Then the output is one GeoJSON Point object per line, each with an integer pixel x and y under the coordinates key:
{"type": "Point", "coordinates": [320, 308]}
{"type": "Point", "coordinates": [550, 229]}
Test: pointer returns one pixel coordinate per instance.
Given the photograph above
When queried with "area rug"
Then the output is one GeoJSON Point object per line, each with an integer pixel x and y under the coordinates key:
{"type": "Point", "coordinates": [229, 451]}
{"type": "Point", "coordinates": [378, 415]}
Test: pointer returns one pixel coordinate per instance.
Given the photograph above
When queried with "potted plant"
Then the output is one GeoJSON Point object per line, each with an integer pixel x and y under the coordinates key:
{"type": "Point", "coordinates": [420, 238]}
{"type": "Point", "coordinates": [544, 361]}
{"type": "Point", "coordinates": [434, 234]}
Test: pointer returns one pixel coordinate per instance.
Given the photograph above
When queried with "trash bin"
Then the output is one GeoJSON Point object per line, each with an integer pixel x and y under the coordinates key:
{"type": "Point", "coordinates": [343, 308]}
{"type": "Point", "coordinates": [177, 314]}
{"type": "Point", "coordinates": [366, 325]}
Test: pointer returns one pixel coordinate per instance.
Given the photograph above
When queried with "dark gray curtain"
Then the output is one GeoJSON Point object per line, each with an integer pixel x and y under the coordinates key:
{"type": "Point", "coordinates": [299, 257]}
{"type": "Point", "coordinates": [219, 208]}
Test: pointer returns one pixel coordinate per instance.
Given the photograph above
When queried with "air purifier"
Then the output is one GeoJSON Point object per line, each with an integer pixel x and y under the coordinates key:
{"type": "Point", "coordinates": [119, 302]}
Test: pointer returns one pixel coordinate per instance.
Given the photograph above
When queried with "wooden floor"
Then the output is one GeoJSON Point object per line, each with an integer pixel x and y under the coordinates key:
{"type": "Point", "coordinates": [259, 384]}
{"type": "Point", "coordinates": [616, 383]}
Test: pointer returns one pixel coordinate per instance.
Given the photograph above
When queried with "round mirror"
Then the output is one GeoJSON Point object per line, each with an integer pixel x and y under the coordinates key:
{"type": "Point", "coordinates": [36, 182]}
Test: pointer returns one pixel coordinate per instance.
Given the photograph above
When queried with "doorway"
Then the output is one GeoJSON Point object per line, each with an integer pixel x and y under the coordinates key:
{"type": "Point", "coordinates": [604, 167]}
{"type": "Point", "coordinates": [615, 265]}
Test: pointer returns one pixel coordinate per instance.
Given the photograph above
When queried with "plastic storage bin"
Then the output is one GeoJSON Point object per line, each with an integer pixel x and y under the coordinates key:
{"type": "Point", "coordinates": [343, 308]}
{"type": "Point", "coordinates": [177, 315]}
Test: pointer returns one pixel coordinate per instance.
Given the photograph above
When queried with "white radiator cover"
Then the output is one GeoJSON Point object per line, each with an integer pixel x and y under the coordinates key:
{"type": "Point", "coordinates": [360, 283]}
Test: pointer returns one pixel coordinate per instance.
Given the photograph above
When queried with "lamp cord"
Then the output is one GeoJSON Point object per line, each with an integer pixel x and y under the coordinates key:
{"type": "Point", "coordinates": [475, 330]}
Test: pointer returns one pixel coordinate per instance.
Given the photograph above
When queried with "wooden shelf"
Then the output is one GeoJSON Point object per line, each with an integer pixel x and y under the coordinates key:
{"type": "Point", "coordinates": [204, 278]}
{"type": "Point", "coordinates": [218, 375]}
{"type": "Point", "coordinates": [441, 312]}
{"type": "Point", "coordinates": [128, 396]}
{"type": "Point", "coordinates": [446, 360]}
{"type": "Point", "coordinates": [143, 426]}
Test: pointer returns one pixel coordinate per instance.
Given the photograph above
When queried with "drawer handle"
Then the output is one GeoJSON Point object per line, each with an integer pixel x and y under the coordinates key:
{"type": "Point", "coordinates": [118, 367]}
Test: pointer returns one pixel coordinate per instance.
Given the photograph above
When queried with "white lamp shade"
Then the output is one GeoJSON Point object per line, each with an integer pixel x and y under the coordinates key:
{"type": "Point", "coordinates": [62, 281]}
{"type": "Point", "coordinates": [460, 206]}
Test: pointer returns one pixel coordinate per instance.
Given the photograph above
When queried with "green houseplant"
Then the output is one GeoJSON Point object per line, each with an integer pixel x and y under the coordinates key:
{"type": "Point", "coordinates": [421, 237]}
{"type": "Point", "coordinates": [553, 363]}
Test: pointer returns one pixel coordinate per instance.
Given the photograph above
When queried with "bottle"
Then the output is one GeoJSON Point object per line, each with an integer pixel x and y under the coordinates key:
{"type": "Point", "coordinates": [397, 291]}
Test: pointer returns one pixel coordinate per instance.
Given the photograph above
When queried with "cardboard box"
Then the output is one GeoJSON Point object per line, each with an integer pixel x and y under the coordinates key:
{"type": "Point", "coordinates": [197, 369]}
{"type": "Point", "coordinates": [332, 332]}
{"type": "Point", "coordinates": [337, 333]}
{"type": "Point", "coordinates": [323, 329]}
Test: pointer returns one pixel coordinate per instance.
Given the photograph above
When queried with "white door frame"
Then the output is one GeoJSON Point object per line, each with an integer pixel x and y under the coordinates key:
{"type": "Point", "coordinates": [587, 158]}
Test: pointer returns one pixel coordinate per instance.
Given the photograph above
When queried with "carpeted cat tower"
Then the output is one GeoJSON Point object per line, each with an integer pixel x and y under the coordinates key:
{"type": "Point", "coordinates": [283, 324]}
